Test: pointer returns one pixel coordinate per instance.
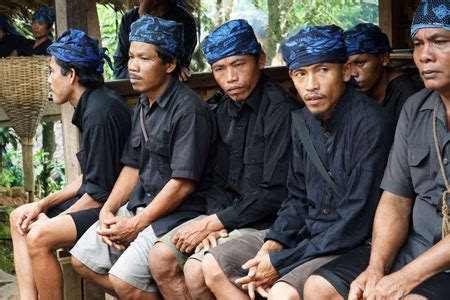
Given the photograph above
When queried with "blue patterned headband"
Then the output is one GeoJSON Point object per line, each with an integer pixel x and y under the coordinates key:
{"type": "Point", "coordinates": [44, 14]}
{"type": "Point", "coordinates": [431, 13]}
{"type": "Point", "coordinates": [233, 38]}
{"type": "Point", "coordinates": [75, 46]}
{"type": "Point", "coordinates": [169, 35]}
{"type": "Point", "coordinates": [366, 38]}
{"type": "Point", "coordinates": [313, 45]}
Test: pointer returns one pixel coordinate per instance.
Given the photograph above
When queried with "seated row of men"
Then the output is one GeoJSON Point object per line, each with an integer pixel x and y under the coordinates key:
{"type": "Point", "coordinates": [251, 194]}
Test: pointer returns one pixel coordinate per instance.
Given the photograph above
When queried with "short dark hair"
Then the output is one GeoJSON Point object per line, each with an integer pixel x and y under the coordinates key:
{"type": "Point", "coordinates": [166, 58]}
{"type": "Point", "coordinates": [87, 76]}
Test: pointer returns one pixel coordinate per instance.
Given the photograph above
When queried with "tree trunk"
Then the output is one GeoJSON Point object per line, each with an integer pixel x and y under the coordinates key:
{"type": "Point", "coordinates": [273, 30]}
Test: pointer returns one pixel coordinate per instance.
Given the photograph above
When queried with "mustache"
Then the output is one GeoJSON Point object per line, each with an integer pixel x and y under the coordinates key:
{"type": "Point", "coordinates": [314, 96]}
{"type": "Point", "coordinates": [134, 76]}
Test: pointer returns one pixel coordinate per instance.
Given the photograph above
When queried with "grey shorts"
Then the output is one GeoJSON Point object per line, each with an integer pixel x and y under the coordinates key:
{"type": "Point", "coordinates": [241, 249]}
{"type": "Point", "coordinates": [130, 266]}
{"type": "Point", "coordinates": [182, 257]}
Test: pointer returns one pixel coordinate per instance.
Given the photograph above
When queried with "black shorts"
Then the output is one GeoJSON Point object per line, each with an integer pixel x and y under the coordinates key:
{"type": "Point", "coordinates": [342, 271]}
{"type": "Point", "coordinates": [83, 219]}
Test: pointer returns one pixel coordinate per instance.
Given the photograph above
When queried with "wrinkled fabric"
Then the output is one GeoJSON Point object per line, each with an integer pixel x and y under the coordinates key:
{"type": "Point", "coordinates": [75, 46]}
{"type": "Point", "coordinates": [164, 33]}
{"type": "Point", "coordinates": [431, 13]}
{"type": "Point", "coordinates": [366, 38]}
{"type": "Point", "coordinates": [315, 44]}
{"type": "Point", "coordinates": [44, 14]}
{"type": "Point", "coordinates": [235, 37]}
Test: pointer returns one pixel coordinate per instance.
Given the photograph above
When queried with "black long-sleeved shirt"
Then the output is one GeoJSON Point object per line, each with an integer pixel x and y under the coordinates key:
{"type": "Point", "coordinates": [104, 120]}
{"type": "Point", "coordinates": [249, 181]}
{"type": "Point", "coordinates": [354, 146]}
{"type": "Point", "coordinates": [177, 14]}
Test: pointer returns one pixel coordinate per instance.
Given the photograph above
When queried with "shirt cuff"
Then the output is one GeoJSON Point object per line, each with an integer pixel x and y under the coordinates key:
{"type": "Point", "coordinates": [127, 161]}
{"type": "Point", "coordinates": [96, 192]}
{"type": "Point", "coordinates": [185, 174]}
{"type": "Point", "coordinates": [228, 218]}
{"type": "Point", "coordinates": [278, 237]}
{"type": "Point", "coordinates": [397, 189]}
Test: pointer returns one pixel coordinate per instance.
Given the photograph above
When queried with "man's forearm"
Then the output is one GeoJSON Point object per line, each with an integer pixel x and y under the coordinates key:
{"type": "Point", "coordinates": [167, 200]}
{"type": "Point", "coordinates": [85, 202]}
{"type": "Point", "coordinates": [127, 180]}
{"type": "Point", "coordinates": [433, 261]}
{"type": "Point", "coordinates": [390, 230]}
{"type": "Point", "coordinates": [68, 192]}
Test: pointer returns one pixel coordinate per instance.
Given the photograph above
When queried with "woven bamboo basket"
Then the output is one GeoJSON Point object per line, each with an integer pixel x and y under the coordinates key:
{"type": "Point", "coordinates": [24, 96]}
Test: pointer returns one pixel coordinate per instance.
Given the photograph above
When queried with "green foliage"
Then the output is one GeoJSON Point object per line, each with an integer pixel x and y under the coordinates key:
{"type": "Point", "coordinates": [8, 136]}
{"type": "Point", "coordinates": [49, 175]}
{"type": "Point", "coordinates": [109, 28]}
{"type": "Point", "coordinates": [12, 173]}
{"type": "Point", "coordinates": [45, 170]}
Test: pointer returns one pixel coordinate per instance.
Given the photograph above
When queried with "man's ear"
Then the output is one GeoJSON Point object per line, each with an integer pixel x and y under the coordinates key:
{"type": "Point", "coordinates": [385, 57]}
{"type": "Point", "coordinates": [262, 60]}
{"type": "Point", "coordinates": [72, 76]}
{"type": "Point", "coordinates": [171, 66]}
{"type": "Point", "coordinates": [346, 71]}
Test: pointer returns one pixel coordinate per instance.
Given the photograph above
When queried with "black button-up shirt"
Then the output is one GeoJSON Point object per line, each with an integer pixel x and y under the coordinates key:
{"type": "Point", "coordinates": [182, 132]}
{"type": "Point", "coordinates": [353, 145]}
{"type": "Point", "coordinates": [104, 121]}
{"type": "Point", "coordinates": [413, 169]}
{"type": "Point", "coordinates": [397, 91]}
{"type": "Point", "coordinates": [177, 14]}
{"type": "Point", "coordinates": [250, 174]}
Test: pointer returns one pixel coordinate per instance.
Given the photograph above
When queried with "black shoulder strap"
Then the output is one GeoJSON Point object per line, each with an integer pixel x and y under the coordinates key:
{"type": "Point", "coordinates": [300, 126]}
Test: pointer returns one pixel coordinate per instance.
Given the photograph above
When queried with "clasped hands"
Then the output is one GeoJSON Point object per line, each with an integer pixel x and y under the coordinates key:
{"type": "Point", "coordinates": [116, 231]}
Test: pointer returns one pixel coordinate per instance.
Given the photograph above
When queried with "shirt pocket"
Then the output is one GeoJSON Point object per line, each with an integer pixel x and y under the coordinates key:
{"type": "Point", "coordinates": [254, 165]}
{"type": "Point", "coordinates": [159, 157]}
{"type": "Point", "coordinates": [419, 166]}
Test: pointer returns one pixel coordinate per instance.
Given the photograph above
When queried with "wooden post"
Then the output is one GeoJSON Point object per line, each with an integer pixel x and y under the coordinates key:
{"type": "Point", "coordinates": [28, 169]}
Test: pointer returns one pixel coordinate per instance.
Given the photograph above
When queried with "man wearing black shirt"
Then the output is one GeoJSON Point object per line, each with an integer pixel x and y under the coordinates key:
{"type": "Point", "coordinates": [165, 9]}
{"type": "Point", "coordinates": [368, 49]}
{"type": "Point", "coordinates": [41, 27]}
{"type": "Point", "coordinates": [10, 42]}
{"type": "Point", "coordinates": [166, 167]}
{"type": "Point", "coordinates": [60, 219]}
{"type": "Point", "coordinates": [251, 164]}
{"type": "Point", "coordinates": [351, 135]}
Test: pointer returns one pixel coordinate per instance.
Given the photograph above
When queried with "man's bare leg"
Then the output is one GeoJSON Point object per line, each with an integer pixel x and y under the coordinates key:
{"type": "Point", "coordinates": [42, 239]}
{"type": "Point", "coordinates": [126, 291]}
{"type": "Point", "coordinates": [22, 261]}
{"type": "Point", "coordinates": [167, 272]}
{"type": "Point", "coordinates": [218, 282]}
{"type": "Point", "coordinates": [101, 280]}
{"type": "Point", "coordinates": [195, 280]}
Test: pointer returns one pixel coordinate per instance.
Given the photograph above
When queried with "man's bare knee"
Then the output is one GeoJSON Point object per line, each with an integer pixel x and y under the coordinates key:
{"type": "Point", "coordinates": [211, 270]}
{"type": "Point", "coordinates": [36, 238]}
{"type": "Point", "coordinates": [193, 275]}
{"type": "Point", "coordinates": [317, 287]}
{"type": "Point", "coordinates": [283, 290]}
{"type": "Point", "coordinates": [125, 290]}
{"type": "Point", "coordinates": [163, 262]}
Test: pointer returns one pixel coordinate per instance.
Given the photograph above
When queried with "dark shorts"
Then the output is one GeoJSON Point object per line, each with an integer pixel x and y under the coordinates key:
{"type": "Point", "coordinates": [342, 271]}
{"type": "Point", "coordinates": [234, 253]}
{"type": "Point", "coordinates": [83, 219]}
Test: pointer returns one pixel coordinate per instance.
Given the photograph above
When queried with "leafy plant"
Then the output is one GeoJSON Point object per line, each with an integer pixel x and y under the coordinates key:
{"type": "Point", "coordinates": [49, 174]}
